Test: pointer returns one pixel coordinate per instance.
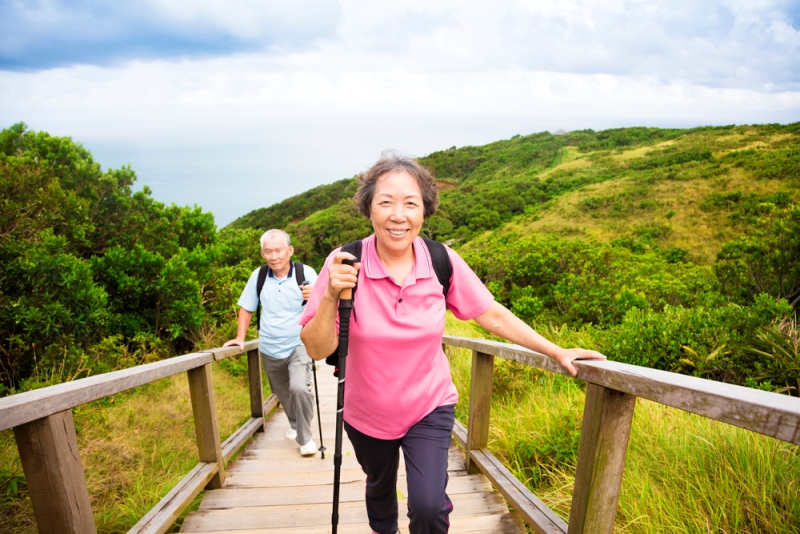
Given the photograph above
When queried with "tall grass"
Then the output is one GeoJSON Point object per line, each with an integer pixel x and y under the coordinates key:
{"type": "Point", "coordinates": [684, 473]}
{"type": "Point", "coordinates": [135, 446]}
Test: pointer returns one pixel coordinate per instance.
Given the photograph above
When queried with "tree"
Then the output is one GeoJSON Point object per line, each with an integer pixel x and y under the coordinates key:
{"type": "Point", "coordinates": [767, 260]}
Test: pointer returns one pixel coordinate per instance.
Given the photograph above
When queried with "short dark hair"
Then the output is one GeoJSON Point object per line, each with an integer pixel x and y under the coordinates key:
{"type": "Point", "coordinates": [392, 161]}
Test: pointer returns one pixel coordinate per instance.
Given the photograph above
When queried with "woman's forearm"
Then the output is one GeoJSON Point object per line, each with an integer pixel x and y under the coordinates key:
{"type": "Point", "coordinates": [501, 322]}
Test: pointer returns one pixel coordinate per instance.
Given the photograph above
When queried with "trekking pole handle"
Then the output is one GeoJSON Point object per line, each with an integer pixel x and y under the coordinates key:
{"type": "Point", "coordinates": [347, 294]}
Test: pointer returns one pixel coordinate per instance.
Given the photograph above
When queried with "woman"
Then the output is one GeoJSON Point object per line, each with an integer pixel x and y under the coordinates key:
{"type": "Point", "coordinates": [399, 392]}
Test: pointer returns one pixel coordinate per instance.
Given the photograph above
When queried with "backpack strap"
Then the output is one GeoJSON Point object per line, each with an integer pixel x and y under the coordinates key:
{"type": "Point", "coordinates": [262, 277]}
{"type": "Point", "coordinates": [299, 276]}
{"type": "Point", "coordinates": [441, 263]}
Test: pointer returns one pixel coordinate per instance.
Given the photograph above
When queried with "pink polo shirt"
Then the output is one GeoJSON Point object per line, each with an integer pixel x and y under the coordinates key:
{"type": "Point", "coordinates": [397, 372]}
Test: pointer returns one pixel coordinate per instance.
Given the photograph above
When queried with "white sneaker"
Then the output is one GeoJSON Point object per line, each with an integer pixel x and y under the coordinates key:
{"type": "Point", "coordinates": [309, 448]}
{"type": "Point", "coordinates": [291, 433]}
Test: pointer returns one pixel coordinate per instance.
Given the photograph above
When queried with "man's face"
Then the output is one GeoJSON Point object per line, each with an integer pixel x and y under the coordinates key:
{"type": "Point", "coordinates": [277, 254]}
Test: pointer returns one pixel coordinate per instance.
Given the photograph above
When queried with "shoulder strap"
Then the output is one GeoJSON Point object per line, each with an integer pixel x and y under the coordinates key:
{"type": "Point", "coordinates": [299, 274]}
{"type": "Point", "coordinates": [262, 277]}
{"type": "Point", "coordinates": [441, 263]}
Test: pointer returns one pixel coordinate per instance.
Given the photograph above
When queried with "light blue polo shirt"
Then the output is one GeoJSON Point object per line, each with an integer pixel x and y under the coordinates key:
{"type": "Point", "coordinates": [281, 306]}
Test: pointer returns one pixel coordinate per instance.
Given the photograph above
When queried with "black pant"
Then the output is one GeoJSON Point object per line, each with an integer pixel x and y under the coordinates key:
{"type": "Point", "coordinates": [425, 448]}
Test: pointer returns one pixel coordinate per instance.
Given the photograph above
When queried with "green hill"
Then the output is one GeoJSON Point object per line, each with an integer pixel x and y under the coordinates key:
{"type": "Point", "coordinates": [674, 188]}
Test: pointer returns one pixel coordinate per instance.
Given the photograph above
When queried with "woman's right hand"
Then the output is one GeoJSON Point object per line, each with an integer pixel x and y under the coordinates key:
{"type": "Point", "coordinates": [341, 275]}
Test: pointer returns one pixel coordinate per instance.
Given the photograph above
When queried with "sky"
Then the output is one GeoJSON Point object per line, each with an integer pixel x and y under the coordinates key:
{"type": "Point", "coordinates": [237, 104]}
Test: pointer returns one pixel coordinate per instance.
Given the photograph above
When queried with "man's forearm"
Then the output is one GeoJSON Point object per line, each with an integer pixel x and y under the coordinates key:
{"type": "Point", "coordinates": [243, 323]}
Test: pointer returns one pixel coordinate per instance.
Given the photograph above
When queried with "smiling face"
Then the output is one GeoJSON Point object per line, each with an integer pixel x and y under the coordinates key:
{"type": "Point", "coordinates": [277, 255]}
{"type": "Point", "coordinates": [396, 212]}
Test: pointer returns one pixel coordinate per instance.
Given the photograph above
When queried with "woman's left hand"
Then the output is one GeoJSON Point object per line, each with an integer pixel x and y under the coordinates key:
{"type": "Point", "coordinates": [565, 357]}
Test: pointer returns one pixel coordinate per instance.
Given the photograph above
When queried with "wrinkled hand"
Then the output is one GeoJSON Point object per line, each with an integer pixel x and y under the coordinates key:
{"type": "Point", "coordinates": [238, 342]}
{"type": "Point", "coordinates": [306, 290]}
{"type": "Point", "coordinates": [565, 357]}
{"type": "Point", "coordinates": [341, 276]}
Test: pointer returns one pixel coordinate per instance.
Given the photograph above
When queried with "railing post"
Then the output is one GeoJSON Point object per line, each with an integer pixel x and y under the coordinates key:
{"type": "Point", "coordinates": [48, 449]}
{"type": "Point", "coordinates": [205, 421]}
{"type": "Point", "coordinates": [256, 393]}
{"type": "Point", "coordinates": [480, 403]}
{"type": "Point", "coordinates": [607, 419]}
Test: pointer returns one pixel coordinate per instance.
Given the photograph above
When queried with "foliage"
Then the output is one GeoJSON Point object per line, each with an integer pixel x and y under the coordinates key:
{"type": "Point", "coordinates": [577, 282]}
{"type": "Point", "coordinates": [781, 345]}
{"type": "Point", "coordinates": [91, 272]}
{"type": "Point", "coordinates": [767, 260]}
{"type": "Point", "coordinates": [657, 339]}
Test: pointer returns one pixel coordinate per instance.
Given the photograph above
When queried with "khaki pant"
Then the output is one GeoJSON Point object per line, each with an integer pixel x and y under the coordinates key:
{"type": "Point", "coordinates": [291, 381]}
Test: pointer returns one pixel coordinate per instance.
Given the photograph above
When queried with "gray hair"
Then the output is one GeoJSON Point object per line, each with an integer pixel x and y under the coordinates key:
{"type": "Point", "coordinates": [269, 234]}
{"type": "Point", "coordinates": [393, 161]}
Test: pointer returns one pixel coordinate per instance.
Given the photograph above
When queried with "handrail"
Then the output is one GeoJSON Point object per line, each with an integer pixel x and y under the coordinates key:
{"type": "Point", "coordinates": [775, 415]}
{"type": "Point", "coordinates": [45, 433]}
{"type": "Point", "coordinates": [608, 412]}
{"type": "Point", "coordinates": [16, 410]}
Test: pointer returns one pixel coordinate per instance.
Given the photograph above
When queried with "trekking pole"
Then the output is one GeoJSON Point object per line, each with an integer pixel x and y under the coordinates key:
{"type": "Point", "coordinates": [345, 307]}
{"type": "Point", "coordinates": [316, 392]}
{"type": "Point", "coordinates": [319, 417]}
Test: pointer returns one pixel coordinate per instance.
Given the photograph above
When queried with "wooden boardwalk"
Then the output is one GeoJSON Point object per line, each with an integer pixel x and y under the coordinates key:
{"type": "Point", "coordinates": [270, 488]}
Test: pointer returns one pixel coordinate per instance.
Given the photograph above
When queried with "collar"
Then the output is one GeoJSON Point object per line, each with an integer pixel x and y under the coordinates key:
{"type": "Point", "coordinates": [289, 275]}
{"type": "Point", "coordinates": [373, 268]}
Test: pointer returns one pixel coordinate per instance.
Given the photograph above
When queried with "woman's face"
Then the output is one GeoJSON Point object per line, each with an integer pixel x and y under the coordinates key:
{"type": "Point", "coordinates": [397, 211]}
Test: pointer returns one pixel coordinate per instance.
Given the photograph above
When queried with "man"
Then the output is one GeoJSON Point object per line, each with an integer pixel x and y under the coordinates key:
{"type": "Point", "coordinates": [285, 360]}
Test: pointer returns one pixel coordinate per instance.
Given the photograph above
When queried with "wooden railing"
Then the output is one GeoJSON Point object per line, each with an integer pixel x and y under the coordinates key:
{"type": "Point", "coordinates": [48, 448]}
{"type": "Point", "coordinates": [45, 432]}
{"type": "Point", "coordinates": [611, 392]}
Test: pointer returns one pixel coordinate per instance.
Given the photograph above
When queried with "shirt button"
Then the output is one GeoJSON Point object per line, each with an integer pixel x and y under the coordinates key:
{"type": "Point", "coordinates": [400, 301]}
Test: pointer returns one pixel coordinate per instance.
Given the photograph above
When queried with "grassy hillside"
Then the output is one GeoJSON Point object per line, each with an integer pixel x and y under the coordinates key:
{"type": "Point", "coordinates": [680, 188]}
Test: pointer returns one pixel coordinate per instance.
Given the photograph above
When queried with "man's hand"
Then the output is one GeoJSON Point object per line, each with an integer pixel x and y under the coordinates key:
{"type": "Point", "coordinates": [306, 290]}
{"type": "Point", "coordinates": [238, 342]}
{"type": "Point", "coordinates": [565, 357]}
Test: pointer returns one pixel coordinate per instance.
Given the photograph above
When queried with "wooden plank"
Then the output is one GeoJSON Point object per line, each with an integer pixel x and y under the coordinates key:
{"type": "Point", "coordinates": [254, 382]}
{"type": "Point", "coordinates": [48, 450]}
{"type": "Point", "coordinates": [531, 508]}
{"type": "Point", "coordinates": [767, 413]}
{"type": "Point", "coordinates": [507, 523]}
{"type": "Point", "coordinates": [305, 515]}
{"type": "Point", "coordinates": [270, 479]}
{"type": "Point", "coordinates": [480, 405]}
{"type": "Point", "coordinates": [352, 491]}
{"type": "Point", "coordinates": [25, 407]}
{"type": "Point", "coordinates": [274, 479]}
{"type": "Point", "coordinates": [161, 517]}
{"type": "Point", "coordinates": [240, 437]}
{"type": "Point", "coordinates": [460, 434]}
{"type": "Point", "coordinates": [227, 352]}
{"type": "Point", "coordinates": [290, 460]}
{"type": "Point", "coordinates": [607, 418]}
{"type": "Point", "coordinates": [201, 390]}
{"type": "Point", "coordinates": [270, 404]}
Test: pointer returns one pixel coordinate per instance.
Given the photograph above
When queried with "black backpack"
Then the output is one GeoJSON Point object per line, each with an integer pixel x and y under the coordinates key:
{"type": "Point", "coordinates": [299, 275]}
{"type": "Point", "coordinates": [441, 266]}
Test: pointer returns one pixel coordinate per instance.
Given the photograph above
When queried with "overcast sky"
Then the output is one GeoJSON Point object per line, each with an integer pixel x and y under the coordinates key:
{"type": "Point", "coordinates": [235, 105]}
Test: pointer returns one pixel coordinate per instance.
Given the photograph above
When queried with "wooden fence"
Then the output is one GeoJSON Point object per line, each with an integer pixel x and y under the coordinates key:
{"type": "Point", "coordinates": [48, 448]}
{"type": "Point", "coordinates": [45, 432]}
{"type": "Point", "coordinates": [610, 401]}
